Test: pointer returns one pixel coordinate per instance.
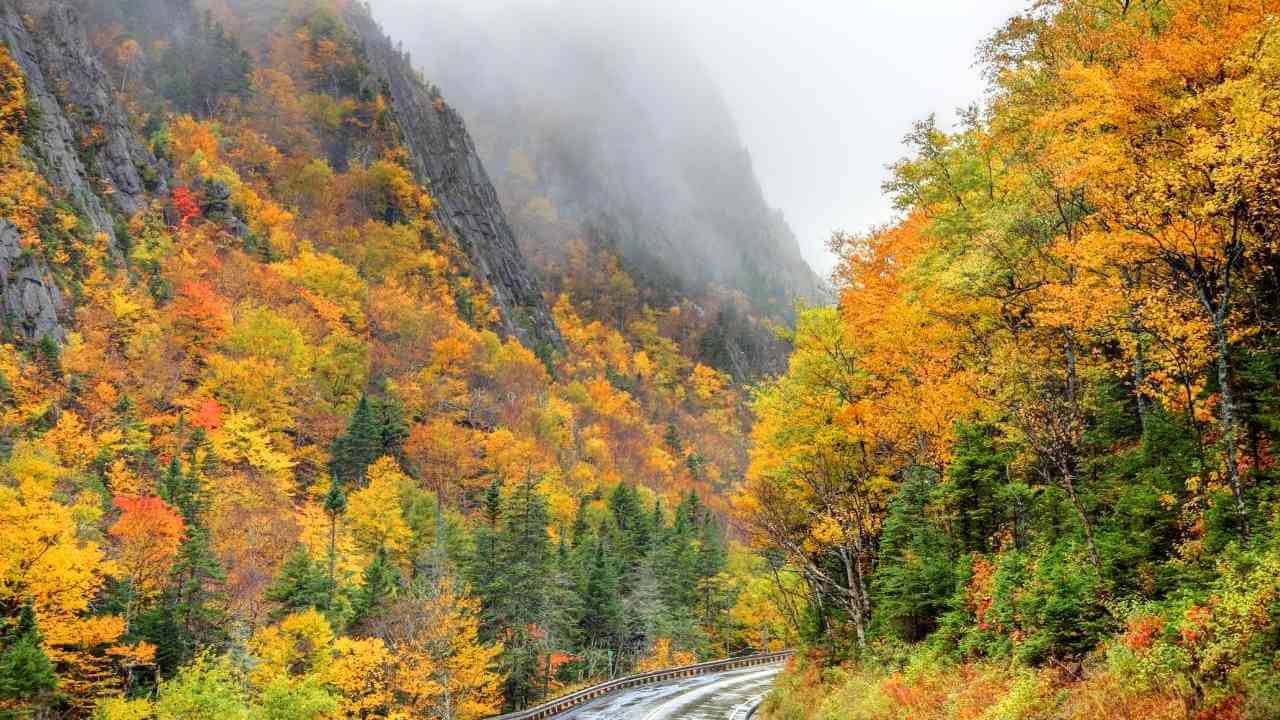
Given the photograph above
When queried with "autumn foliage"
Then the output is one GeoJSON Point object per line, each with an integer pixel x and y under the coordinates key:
{"type": "Point", "coordinates": [259, 477]}
{"type": "Point", "coordinates": [1028, 456]}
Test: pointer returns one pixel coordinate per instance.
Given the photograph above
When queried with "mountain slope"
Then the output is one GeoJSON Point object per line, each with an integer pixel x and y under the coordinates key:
{"type": "Point", "coordinates": [444, 158]}
{"type": "Point", "coordinates": [283, 416]}
{"type": "Point", "coordinates": [621, 139]}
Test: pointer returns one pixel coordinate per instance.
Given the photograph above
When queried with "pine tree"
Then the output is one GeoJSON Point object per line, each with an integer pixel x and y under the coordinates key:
{"type": "Point", "coordinates": [381, 584]}
{"type": "Point", "coordinates": [300, 584]}
{"type": "Point", "coordinates": [196, 572]}
{"type": "Point", "coordinates": [355, 450]}
{"type": "Point", "coordinates": [335, 504]}
{"type": "Point", "coordinates": [26, 674]}
{"type": "Point", "coordinates": [600, 619]}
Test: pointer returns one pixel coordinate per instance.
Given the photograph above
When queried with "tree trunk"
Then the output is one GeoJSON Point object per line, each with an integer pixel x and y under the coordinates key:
{"type": "Point", "coordinates": [1068, 479]}
{"type": "Point", "coordinates": [1229, 429]}
{"type": "Point", "coordinates": [1139, 375]}
{"type": "Point", "coordinates": [856, 601]}
{"type": "Point", "coordinates": [333, 559]}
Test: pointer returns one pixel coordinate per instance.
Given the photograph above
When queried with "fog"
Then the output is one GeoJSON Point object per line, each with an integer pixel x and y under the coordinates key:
{"type": "Point", "coordinates": [821, 91]}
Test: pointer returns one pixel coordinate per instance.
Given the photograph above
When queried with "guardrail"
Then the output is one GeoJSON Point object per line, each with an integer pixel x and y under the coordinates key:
{"type": "Point", "coordinates": [561, 704]}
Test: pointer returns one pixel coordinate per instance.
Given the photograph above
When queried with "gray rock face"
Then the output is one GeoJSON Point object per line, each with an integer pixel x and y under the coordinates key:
{"type": "Point", "coordinates": [82, 144]}
{"type": "Point", "coordinates": [446, 161]}
{"type": "Point", "coordinates": [626, 134]}
{"type": "Point", "coordinates": [68, 59]}
{"type": "Point", "coordinates": [76, 110]}
{"type": "Point", "coordinates": [29, 299]}
{"type": "Point", "coordinates": [54, 142]}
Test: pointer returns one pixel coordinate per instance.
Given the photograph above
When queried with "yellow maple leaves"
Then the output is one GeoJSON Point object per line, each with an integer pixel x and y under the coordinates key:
{"type": "Point", "coordinates": [23, 193]}
{"type": "Point", "coordinates": [374, 513]}
{"type": "Point", "coordinates": [45, 560]}
{"type": "Point", "coordinates": [425, 660]}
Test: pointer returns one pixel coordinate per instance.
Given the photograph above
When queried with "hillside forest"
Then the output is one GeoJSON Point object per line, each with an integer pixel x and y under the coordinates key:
{"type": "Point", "coordinates": [273, 441]}
{"type": "Point", "coordinates": [1026, 467]}
{"type": "Point", "coordinates": [294, 426]}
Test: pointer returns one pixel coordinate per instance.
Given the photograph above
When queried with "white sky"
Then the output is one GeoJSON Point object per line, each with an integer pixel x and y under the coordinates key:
{"type": "Point", "coordinates": [822, 90]}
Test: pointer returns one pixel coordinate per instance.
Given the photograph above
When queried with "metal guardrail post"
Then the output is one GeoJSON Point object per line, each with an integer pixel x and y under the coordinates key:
{"type": "Point", "coordinates": [554, 707]}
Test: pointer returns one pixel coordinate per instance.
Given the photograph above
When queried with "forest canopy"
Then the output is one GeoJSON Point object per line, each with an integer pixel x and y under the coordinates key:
{"type": "Point", "coordinates": [1035, 441]}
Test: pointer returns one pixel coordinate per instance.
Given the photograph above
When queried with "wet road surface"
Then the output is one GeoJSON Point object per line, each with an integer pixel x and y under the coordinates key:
{"type": "Point", "coordinates": [722, 696]}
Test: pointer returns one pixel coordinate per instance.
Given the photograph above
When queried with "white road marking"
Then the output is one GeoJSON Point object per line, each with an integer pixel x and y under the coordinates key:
{"type": "Point", "coordinates": [690, 696]}
{"type": "Point", "coordinates": [743, 710]}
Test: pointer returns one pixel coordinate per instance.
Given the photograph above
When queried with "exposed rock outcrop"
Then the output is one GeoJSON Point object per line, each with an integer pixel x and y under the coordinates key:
{"type": "Point", "coordinates": [446, 160]}
{"type": "Point", "coordinates": [81, 141]}
{"type": "Point", "coordinates": [623, 134]}
{"type": "Point", "coordinates": [83, 145]}
{"type": "Point", "coordinates": [117, 155]}
{"type": "Point", "coordinates": [29, 299]}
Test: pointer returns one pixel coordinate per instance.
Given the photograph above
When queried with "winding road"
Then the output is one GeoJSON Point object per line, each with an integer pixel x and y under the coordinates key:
{"type": "Point", "coordinates": [729, 695]}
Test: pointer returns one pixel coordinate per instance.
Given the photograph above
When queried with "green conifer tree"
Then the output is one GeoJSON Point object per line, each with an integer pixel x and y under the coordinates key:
{"type": "Point", "coordinates": [335, 504]}
{"type": "Point", "coordinates": [381, 585]}
{"type": "Point", "coordinates": [359, 446]}
{"type": "Point", "coordinates": [300, 584]}
{"type": "Point", "coordinates": [27, 678]}
{"type": "Point", "coordinates": [600, 620]}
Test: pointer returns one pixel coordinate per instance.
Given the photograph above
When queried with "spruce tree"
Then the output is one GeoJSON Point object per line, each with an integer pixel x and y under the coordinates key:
{"type": "Point", "coordinates": [710, 562]}
{"type": "Point", "coordinates": [196, 572]}
{"type": "Point", "coordinates": [482, 566]}
{"type": "Point", "coordinates": [917, 574]}
{"type": "Point", "coordinates": [391, 428]}
{"type": "Point", "coordinates": [48, 355]}
{"type": "Point", "coordinates": [381, 585]}
{"type": "Point", "coordinates": [600, 621]}
{"type": "Point", "coordinates": [562, 601]}
{"type": "Point", "coordinates": [172, 483]}
{"type": "Point", "coordinates": [6, 391]}
{"type": "Point", "coordinates": [644, 613]}
{"type": "Point", "coordinates": [26, 674]}
{"type": "Point", "coordinates": [300, 584]}
{"type": "Point", "coordinates": [580, 525]}
{"type": "Point", "coordinates": [335, 504]}
{"type": "Point", "coordinates": [522, 586]}
{"type": "Point", "coordinates": [359, 446]}
{"type": "Point", "coordinates": [633, 532]}
{"type": "Point", "coordinates": [677, 557]}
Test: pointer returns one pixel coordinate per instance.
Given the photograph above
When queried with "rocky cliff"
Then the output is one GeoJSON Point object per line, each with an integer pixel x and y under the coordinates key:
{"type": "Point", "coordinates": [622, 134]}
{"type": "Point", "coordinates": [82, 140]}
{"type": "Point", "coordinates": [81, 144]}
{"type": "Point", "coordinates": [445, 159]}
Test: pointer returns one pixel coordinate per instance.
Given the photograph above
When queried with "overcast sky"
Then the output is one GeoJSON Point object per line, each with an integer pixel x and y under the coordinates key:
{"type": "Point", "coordinates": [823, 90]}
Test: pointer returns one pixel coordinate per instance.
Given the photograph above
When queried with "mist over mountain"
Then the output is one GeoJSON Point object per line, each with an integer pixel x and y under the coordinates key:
{"type": "Point", "coordinates": [601, 122]}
